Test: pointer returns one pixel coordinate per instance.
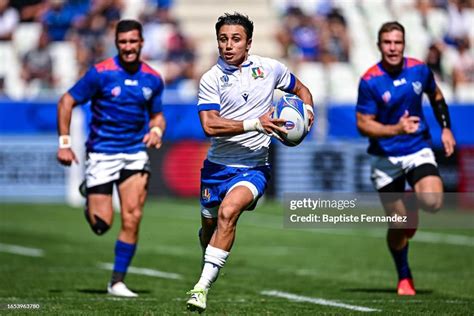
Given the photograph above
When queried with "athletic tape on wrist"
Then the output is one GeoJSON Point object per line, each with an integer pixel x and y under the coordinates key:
{"type": "Point", "coordinates": [253, 125]}
{"type": "Point", "coordinates": [64, 141]}
{"type": "Point", "coordinates": [158, 131]}
{"type": "Point", "coordinates": [309, 108]}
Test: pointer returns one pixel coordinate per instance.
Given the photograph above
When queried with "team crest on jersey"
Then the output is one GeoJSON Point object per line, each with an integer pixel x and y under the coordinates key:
{"type": "Point", "coordinates": [147, 92]}
{"type": "Point", "coordinates": [225, 81]}
{"type": "Point", "coordinates": [417, 87]}
{"type": "Point", "coordinates": [206, 194]}
{"type": "Point", "coordinates": [116, 91]}
{"type": "Point", "coordinates": [257, 72]}
{"type": "Point", "coordinates": [386, 96]}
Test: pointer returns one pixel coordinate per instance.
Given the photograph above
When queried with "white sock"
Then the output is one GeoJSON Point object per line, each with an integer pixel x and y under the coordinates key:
{"type": "Point", "coordinates": [214, 260]}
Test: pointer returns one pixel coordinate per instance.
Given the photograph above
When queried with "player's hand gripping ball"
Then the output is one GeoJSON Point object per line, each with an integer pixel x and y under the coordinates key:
{"type": "Point", "coordinates": [292, 109]}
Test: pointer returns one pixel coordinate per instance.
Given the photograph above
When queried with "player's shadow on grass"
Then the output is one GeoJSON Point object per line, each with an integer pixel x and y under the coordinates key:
{"type": "Point", "coordinates": [104, 291]}
{"type": "Point", "coordinates": [382, 290]}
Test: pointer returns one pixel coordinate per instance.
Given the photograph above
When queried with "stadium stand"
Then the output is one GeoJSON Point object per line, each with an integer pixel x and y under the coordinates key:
{"type": "Point", "coordinates": [428, 22]}
{"type": "Point", "coordinates": [198, 19]}
{"type": "Point", "coordinates": [26, 37]}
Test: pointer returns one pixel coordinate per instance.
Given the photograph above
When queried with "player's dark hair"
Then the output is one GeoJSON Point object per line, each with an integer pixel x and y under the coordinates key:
{"type": "Point", "coordinates": [127, 26]}
{"type": "Point", "coordinates": [235, 19]}
{"type": "Point", "coordinates": [391, 26]}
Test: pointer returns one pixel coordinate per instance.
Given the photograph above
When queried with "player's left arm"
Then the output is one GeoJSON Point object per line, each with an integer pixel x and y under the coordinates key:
{"type": "Point", "coordinates": [157, 124]}
{"type": "Point", "coordinates": [441, 112]}
{"type": "Point", "coordinates": [305, 95]}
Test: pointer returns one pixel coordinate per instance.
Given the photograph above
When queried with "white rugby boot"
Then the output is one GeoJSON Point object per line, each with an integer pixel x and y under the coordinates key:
{"type": "Point", "coordinates": [120, 289]}
{"type": "Point", "coordinates": [197, 301]}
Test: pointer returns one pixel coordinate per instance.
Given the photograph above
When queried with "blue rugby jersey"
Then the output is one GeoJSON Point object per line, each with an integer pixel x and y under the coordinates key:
{"type": "Point", "coordinates": [121, 103]}
{"type": "Point", "coordinates": [388, 97]}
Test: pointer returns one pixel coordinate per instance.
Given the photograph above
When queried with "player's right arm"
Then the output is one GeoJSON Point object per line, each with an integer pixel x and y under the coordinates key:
{"type": "Point", "coordinates": [370, 127]}
{"type": "Point", "coordinates": [366, 117]}
{"type": "Point", "coordinates": [214, 124]}
{"type": "Point", "coordinates": [80, 93]}
{"type": "Point", "coordinates": [65, 154]}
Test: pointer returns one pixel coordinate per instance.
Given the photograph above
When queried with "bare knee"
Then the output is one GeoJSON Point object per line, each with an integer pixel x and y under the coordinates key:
{"type": "Point", "coordinates": [227, 218]}
{"type": "Point", "coordinates": [431, 202]}
{"type": "Point", "coordinates": [131, 220]}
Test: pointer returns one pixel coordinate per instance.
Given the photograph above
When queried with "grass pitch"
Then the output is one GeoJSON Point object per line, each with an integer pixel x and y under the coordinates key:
{"type": "Point", "coordinates": [323, 271]}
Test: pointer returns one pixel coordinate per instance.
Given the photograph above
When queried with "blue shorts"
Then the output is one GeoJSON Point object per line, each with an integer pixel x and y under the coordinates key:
{"type": "Point", "coordinates": [217, 180]}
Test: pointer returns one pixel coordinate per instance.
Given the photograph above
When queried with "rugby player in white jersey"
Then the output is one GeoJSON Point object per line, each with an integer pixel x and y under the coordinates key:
{"type": "Point", "coordinates": [235, 108]}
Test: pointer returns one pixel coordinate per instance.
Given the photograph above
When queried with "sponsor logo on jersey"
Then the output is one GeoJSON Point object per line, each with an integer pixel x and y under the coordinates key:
{"type": "Point", "coordinates": [417, 87]}
{"type": "Point", "coordinates": [130, 82]}
{"type": "Point", "coordinates": [225, 81]}
{"type": "Point", "coordinates": [257, 72]}
{"type": "Point", "coordinates": [386, 96]}
{"type": "Point", "coordinates": [116, 91]}
{"type": "Point", "coordinates": [399, 82]}
{"type": "Point", "coordinates": [147, 92]}
{"type": "Point", "coordinates": [245, 95]}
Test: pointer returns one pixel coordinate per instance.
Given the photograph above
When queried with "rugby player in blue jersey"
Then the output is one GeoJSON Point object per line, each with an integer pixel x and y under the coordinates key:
{"type": "Point", "coordinates": [235, 107]}
{"type": "Point", "coordinates": [125, 96]}
{"type": "Point", "coordinates": [389, 112]}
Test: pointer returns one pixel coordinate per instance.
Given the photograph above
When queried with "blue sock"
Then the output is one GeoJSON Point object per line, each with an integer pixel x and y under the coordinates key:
{"type": "Point", "coordinates": [123, 256]}
{"type": "Point", "coordinates": [400, 257]}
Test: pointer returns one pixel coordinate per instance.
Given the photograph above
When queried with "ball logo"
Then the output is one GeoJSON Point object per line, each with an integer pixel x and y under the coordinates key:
{"type": "Point", "coordinates": [289, 125]}
{"type": "Point", "coordinates": [292, 102]}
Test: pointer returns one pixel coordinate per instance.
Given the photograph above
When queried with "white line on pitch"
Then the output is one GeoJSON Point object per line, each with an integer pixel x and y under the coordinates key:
{"type": "Point", "coordinates": [318, 301]}
{"type": "Point", "coordinates": [444, 238]}
{"type": "Point", "coordinates": [421, 236]}
{"type": "Point", "coordinates": [145, 271]}
{"type": "Point", "coordinates": [22, 251]}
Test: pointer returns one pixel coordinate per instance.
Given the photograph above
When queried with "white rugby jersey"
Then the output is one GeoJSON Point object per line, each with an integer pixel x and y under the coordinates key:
{"type": "Point", "coordinates": [240, 95]}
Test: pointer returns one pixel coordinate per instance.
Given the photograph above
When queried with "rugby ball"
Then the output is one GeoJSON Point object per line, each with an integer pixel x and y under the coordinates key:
{"type": "Point", "coordinates": [292, 109]}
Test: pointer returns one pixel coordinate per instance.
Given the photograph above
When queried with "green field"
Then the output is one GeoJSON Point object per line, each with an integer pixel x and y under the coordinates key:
{"type": "Point", "coordinates": [351, 267]}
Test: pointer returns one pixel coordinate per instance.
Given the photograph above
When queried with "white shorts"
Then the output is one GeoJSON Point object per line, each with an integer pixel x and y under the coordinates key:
{"type": "Point", "coordinates": [386, 169]}
{"type": "Point", "coordinates": [105, 168]}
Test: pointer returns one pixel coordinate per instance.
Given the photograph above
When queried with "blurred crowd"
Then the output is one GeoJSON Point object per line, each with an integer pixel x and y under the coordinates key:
{"type": "Point", "coordinates": [456, 40]}
{"type": "Point", "coordinates": [320, 34]}
{"type": "Point", "coordinates": [321, 37]}
{"type": "Point", "coordinates": [90, 25]}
